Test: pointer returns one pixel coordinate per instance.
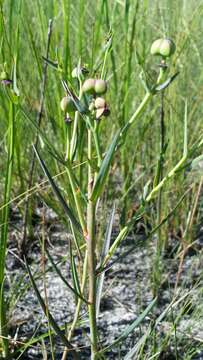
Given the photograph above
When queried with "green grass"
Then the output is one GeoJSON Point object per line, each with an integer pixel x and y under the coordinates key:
{"type": "Point", "coordinates": [149, 176]}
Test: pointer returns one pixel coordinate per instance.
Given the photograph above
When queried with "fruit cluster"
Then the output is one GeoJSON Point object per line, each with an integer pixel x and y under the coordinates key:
{"type": "Point", "coordinates": [92, 88]}
{"type": "Point", "coordinates": [96, 87]}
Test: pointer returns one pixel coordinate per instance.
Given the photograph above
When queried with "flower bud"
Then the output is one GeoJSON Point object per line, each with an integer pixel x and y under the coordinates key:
{"type": "Point", "coordinates": [89, 86]}
{"type": "Point", "coordinates": [100, 103]}
{"type": "Point", "coordinates": [100, 86]}
{"type": "Point", "coordinates": [67, 104]}
{"type": "Point", "coordinates": [163, 47]}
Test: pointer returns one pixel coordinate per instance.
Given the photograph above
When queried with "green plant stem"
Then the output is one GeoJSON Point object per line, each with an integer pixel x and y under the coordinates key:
{"type": "Point", "coordinates": [68, 148]}
{"type": "Point", "coordinates": [4, 228]}
{"type": "Point", "coordinates": [141, 107]}
{"type": "Point", "coordinates": [77, 198]}
{"type": "Point", "coordinates": [159, 175]}
{"type": "Point", "coordinates": [91, 255]}
{"type": "Point", "coordinates": [165, 179]}
{"type": "Point", "coordinates": [77, 312]}
{"type": "Point", "coordinates": [97, 144]}
{"type": "Point", "coordinates": [78, 308]}
{"type": "Point", "coordinates": [136, 114]}
{"type": "Point", "coordinates": [75, 126]}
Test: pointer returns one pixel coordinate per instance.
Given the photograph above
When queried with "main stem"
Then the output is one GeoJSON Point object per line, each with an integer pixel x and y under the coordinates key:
{"type": "Point", "coordinates": [159, 177]}
{"type": "Point", "coordinates": [91, 255]}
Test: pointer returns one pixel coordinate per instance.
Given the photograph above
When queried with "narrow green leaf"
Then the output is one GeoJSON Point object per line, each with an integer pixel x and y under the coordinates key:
{"type": "Point", "coordinates": [56, 191]}
{"type": "Point", "coordinates": [50, 146]}
{"type": "Point", "coordinates": [105, 250]}
{"type": "Point", "coordinates": [79, 106]}
{"type": "Point", "coordinates": [131, 354]}
{"type": "Point", "coordinates": [130, 328]}
{"type": "Point", "coordinates": [103, 172]}
{"type": "Point", "coordinates": [53, 64]}
{"type": "Point", "coordinates": [166, 83]}
{"type": "Point", "coordinates": [74, 273]}
{"type": "Point", "coordinates": [63, 278]}
{"type": "Point", "coordinates": [49, 316]}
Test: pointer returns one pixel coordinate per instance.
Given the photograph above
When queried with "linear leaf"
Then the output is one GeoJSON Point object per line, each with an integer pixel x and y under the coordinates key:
{"type": "Point", "coordinates": [74, 273]}
{"type": "Point", "coordinates": [130, 328]}
{"type": "Point", "coordinates": [49, 316]}
{"type": "Point", "coordinates": [56, 191]}
{"type": "Point", "coordinates": [79, 106]}
{"type": "Point", "coordinates": [103, 172]}
{"type": "Point", "coordinates": [63, 278]}
{"type": "Point", "coordinates": [45, 139]}
{"type": "Point", "coordinates": [53, 64]}
{"type": "Point", "coordinates": [131, 354]}
{"type": "Point", "coordinates": [166, 83]}
{"type": "Point", "coordinates": [105, 250]}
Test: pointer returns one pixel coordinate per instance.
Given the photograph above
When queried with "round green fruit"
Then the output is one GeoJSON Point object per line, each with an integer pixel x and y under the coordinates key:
{"type": "Point", "coordinates": [167, 48]}
{"type": "Point", "coordinates": [89, 86]}
{"type": "Point", "coordinates": [67, 104]}
{"type": "Point", "coordinates": [155, 48]}
{"type": "Point", "coordinates": [100, 86]}
{"type": "Point", "coordinates": [100, 103]}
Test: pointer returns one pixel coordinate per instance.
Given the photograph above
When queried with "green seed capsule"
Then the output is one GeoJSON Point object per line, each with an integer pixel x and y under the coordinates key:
{"type": "Point", "coordinates": [155, 48]}
{"type": "Point", "coordinates": [100, 86]}
{"type": "Point", "coordinates": [100, 103]}
{"type": "Point", "coordinates": [167, 48]}
{"type": "Point", "coordinates": [67, 104]}
{"type": "Point", "coordinates": [89, 86]}
{"type": "Point", "coordinates": [163, 47]}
